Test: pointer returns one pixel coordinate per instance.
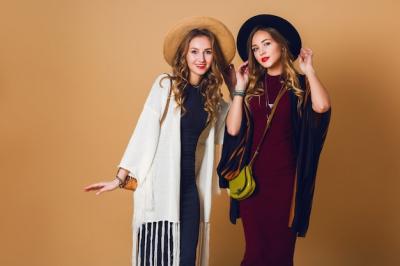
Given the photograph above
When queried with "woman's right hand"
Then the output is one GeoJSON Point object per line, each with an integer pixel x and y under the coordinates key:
{"type": "Point", "coordinates": [242, 77]}
{"type": "Point", "coordinates": [103, 186]}
{"type": "Point", "coordinates": [234, 118]}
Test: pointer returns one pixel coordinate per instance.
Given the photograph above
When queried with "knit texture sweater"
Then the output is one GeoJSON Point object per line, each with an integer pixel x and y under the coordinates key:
{"type": "Point", "coordinates": [153, 158]}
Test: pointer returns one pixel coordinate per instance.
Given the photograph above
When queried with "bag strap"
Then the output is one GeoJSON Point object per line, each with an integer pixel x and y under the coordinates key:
{"type": "Point", "coordinates": [281, 92]}
{"type": "Point", "coordinates": [166, 105]}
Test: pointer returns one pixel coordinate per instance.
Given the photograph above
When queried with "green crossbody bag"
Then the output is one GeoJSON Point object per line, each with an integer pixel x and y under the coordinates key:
{"type": "Point", "coordinates": [243, 185]}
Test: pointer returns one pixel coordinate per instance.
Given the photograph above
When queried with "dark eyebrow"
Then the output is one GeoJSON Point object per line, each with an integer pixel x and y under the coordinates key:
{"type": "Point", "coordinates": [267, 39]}
{"type": "Point", "coordinates": [194, 48]}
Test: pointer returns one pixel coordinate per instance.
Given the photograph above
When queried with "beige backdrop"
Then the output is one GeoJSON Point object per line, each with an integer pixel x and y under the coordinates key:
{"type": "Point", "coordinates": [73, 78]}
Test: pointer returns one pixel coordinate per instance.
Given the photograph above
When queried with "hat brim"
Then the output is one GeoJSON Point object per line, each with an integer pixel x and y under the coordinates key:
{"type": "Point", "coordinates": [175, 36]}
{"type": "Point", "coordinates": [283, 26]}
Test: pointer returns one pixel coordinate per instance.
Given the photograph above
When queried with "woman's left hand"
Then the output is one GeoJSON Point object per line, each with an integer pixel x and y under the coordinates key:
{"type": "Point", "coordinates": [305, 61]}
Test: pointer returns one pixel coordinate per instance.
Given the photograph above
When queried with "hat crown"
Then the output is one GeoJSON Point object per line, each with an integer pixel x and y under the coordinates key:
{"type": "Point", "coordinates": [176, 34]}
{"type": "Point", "coordinates": [284, 27]}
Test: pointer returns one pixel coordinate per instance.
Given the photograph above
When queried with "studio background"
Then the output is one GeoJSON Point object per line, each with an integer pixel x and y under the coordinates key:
{"type": "Point", "coordinates": [73, 79]}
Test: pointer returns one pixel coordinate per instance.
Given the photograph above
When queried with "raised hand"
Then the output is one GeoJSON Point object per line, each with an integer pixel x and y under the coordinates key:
{"type": "Point", "coordinates": [242, 76]}
{"type": "Point", "coordinates": [305, 61]}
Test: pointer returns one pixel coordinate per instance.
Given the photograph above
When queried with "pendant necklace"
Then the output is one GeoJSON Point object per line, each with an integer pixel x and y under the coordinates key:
{"type": "Point", "coordinates": [268, 105]}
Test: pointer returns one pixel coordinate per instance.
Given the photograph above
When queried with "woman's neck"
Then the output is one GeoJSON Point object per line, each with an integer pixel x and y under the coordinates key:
{"type": "Point", "coordinates": [194, 79]}
{"type": "Point", "coordinates": [275, 70]}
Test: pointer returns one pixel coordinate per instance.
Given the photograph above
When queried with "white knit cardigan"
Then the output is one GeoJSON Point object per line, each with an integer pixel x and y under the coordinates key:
{"type": "Point", "coordinates": [153, 157]}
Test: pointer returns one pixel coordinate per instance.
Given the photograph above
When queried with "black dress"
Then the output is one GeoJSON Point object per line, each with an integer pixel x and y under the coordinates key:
{"type": "Point", "coordinates": [193, 121]}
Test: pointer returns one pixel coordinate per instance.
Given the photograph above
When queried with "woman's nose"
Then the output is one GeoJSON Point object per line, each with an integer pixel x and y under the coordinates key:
{"type": "Point", "coordinates": [202, 57]}
{"type": "Point", "coordinates": [261, 51]}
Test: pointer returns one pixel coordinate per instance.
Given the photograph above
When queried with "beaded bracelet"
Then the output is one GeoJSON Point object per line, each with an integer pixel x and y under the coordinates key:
{"type": "Point", "coordinates": [239, 93]}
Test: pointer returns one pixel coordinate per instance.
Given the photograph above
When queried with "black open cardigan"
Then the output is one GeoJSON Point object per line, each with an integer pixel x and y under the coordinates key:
{"type": "Point", "coordinates": [310, 129]}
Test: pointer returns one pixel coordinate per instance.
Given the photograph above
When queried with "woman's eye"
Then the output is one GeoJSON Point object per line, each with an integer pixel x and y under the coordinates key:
{"type": "Point", "coordinates": [208, 52]}
{"type": "Point", "coordinates": [267, 43]}
{"type": "Point", "coordinates": [255, 49]}
{"type": "Point", "coordinates": [193, 52]}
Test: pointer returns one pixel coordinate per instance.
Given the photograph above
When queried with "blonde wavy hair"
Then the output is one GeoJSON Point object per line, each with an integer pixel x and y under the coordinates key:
{"type": "Point", "coordinates": [210, 84]}
{"type": "Point", "coordinates": [257, 72]}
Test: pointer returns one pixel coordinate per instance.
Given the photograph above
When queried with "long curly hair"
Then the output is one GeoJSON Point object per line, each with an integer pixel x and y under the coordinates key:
{"type": "Point", "coordinates": [257, 72]}
{"type": "Point", "coordinates": [210, 84]}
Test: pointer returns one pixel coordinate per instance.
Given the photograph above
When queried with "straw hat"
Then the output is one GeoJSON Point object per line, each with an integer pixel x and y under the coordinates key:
{"type": "Point", "coordinates": [176, 35]}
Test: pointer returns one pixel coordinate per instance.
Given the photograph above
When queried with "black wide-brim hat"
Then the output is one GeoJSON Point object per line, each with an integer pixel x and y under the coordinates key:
{"type": "Point", "coordinates": [284, 27]}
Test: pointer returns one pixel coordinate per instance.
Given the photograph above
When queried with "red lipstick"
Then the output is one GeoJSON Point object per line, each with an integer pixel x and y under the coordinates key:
{"type": "Point", "coordinates": [264, 59]}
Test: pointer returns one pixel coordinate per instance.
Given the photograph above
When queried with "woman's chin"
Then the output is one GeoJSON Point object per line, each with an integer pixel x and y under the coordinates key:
{"type": "Point", "coordinates": [265, 64]}
{"type": "Point", "coordinates": [199, 72]}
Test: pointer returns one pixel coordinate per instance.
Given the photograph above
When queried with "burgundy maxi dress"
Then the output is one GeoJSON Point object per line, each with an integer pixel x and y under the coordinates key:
{"type": "Point", "coordinates": [265, 215]}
